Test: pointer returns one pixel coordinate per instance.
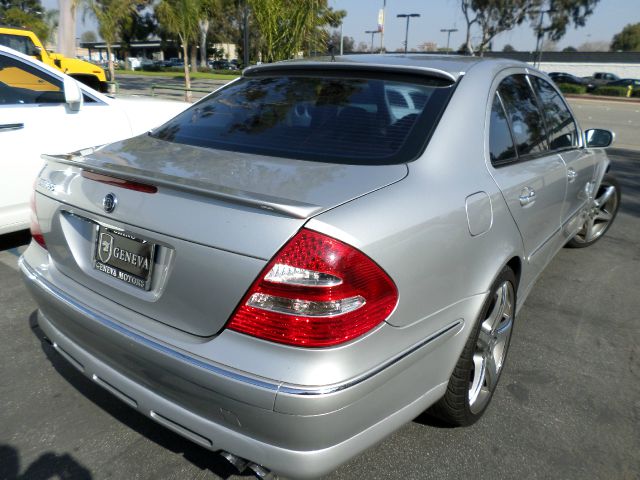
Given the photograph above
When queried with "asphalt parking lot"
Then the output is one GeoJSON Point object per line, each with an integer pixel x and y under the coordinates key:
{"type": "Point", "coordinates": [567, 407]}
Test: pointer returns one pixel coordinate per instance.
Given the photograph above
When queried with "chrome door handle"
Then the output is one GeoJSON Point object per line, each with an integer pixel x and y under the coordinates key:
{"type": "Point", "coordinates": [527, 196]}
{"type": "Point", "coordinates": [572, 175]}
{"type": "Point", "coordinates": [11, 126]}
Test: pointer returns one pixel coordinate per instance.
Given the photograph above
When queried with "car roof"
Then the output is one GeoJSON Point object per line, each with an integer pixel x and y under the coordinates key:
{"type": "Point", "coordinates": [448, 66]}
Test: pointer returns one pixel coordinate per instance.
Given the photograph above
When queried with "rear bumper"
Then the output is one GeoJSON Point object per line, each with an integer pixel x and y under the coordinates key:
{"type": "Point", "coordinates": [223, 409]}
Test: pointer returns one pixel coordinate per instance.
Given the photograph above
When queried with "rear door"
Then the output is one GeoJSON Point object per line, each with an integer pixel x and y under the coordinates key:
{"type": "Point", "coordinates": [532, 179]}
{"type": "Point", "coordinates": [564, 139]}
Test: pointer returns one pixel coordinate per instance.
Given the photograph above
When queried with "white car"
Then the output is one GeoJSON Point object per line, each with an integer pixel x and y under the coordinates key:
{"type": "Point", "coordinates": [42, 110]}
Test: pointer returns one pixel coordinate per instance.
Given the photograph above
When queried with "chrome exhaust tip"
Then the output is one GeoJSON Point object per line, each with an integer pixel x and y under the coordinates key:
{"type": "Point", "coordinates": [262, 472]}
{"type": "Point", "coordinates": [240, 463]}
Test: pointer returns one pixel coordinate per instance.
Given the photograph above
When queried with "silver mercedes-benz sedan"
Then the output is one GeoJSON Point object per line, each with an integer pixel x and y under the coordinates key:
{"type": "Point", "coordinates": [313, 255]}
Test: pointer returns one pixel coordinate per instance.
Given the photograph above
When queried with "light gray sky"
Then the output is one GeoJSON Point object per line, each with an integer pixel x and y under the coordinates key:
{"type": "Point", "coordinates": [609, 17]}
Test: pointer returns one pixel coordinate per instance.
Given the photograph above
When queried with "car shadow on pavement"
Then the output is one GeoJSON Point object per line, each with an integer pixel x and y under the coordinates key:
{"type": "Point", "coordinates": [202, 458]}
{"type": "Point", "coordinates": [625, 166]}
{"type": "Point", "coordinates": [14, 239]}
{"type": "Point", "coordinates": [49, 465]}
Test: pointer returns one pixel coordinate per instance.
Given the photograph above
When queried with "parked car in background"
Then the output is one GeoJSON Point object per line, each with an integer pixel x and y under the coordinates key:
{"type": "Point", "coordinates": [313, 255]}
{"type": "Point", "coordinates": [560, 77]}
{"type": "Point", "coordinates": [625, 82]}
{"type": "Point", "coordinates": [600, 78]}
{"type": "Point", "coordinates": [222, 65]}
{"type": "Point", "coordinates": [43, 110]}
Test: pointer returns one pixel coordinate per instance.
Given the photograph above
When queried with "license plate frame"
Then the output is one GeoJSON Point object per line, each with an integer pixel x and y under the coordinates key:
{"type": "Point", "coordinates": [124, 256]}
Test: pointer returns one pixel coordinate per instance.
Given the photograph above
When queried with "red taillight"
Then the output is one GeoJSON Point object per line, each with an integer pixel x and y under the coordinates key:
{"type": "Point", "coordinates": [36, 233]}
{"type": "Point", "coordinates": [316, 292]}
{"type": "Point", "coordinates": [119, 182]}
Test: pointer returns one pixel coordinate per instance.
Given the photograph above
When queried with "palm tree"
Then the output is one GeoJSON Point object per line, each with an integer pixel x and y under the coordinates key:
{"type": "Point", "coordinates": [180, 17]}
{"type": "Point", "coordinates": [110, 15]}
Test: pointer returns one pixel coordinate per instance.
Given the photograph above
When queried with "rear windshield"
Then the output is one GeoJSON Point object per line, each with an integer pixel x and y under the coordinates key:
{"type": "Point", "coordinates": [328, 119]}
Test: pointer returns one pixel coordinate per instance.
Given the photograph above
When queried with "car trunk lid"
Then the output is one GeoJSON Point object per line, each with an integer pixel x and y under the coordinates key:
{"type": "Point", "coordinates": [216, 219]}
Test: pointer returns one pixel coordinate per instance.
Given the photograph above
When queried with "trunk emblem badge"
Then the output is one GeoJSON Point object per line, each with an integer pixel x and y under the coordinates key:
{"type": "Point", "coordinates": [109, 202]}
{"type": "Point", "coordinates": [105, 247]}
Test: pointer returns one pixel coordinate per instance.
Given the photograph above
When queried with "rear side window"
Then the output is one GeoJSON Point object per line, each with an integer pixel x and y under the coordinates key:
{"type": "Point", "coordinates": [501, 146]}
{"type": "Point", "coordinates": [561, 127]}
{"type": "Point", "coordinates": [524, 116]}
{"type": "Point", "coordinates": [328, 119]}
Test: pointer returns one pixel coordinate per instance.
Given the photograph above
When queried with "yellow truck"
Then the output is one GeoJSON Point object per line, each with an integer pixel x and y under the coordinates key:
{"type": "Point", "coordinates": [26, 42]}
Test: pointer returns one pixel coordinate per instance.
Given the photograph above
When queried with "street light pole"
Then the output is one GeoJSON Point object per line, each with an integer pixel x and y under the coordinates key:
{"type": "Point", "coordinates": [372, 32]}
{"type": "Point", "coordinates": [448, 31]}
{"type": "Point", "coordinates": [384, 12]}
{"type": "Point", "coordinates": [406, 31]}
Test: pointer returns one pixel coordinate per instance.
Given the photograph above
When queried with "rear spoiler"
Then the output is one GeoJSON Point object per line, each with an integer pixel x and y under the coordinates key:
{"type": "Point", "coordinates": [282, 206]}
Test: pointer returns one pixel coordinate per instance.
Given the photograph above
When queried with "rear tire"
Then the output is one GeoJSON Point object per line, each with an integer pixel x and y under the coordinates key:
{"type": "Point", "coordinates": [600, 215]}
{"type": "Point", "coordinates": [478, 370]}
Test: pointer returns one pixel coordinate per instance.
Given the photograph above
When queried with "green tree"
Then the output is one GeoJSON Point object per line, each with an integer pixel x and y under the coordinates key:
{"type": "Point", "coordinates": [180, 18]}
{"type": "Point", "coordinates": [290, 27]}
{"type": "Point", "coordinates": [628, 40]}
{"type": "Point", "coordinates": [110, 15]}
{"type": "Point", "coordinates": [28, 14]}
{"type": "Point", "coordinates": [492, 17]}
{"type": "Point", "coordinates": [89, 37]}
{"type": "Point", "coordinates": [561, 14]}
{"type": "Point", "coordinates": [508, 48]}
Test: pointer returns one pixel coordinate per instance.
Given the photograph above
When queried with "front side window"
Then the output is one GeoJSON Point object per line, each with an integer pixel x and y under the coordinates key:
{"type": "Point", "coordinates": [561, 126]}
{"type": "Point", "coordinates": [20, 43]}
{"type": "Point", "coordinates": [524, 115]}
{"type": "Point", "coordinates": [501, 147]}
{"type": "Point", "coordinates": [22, 84]}
{"type": "Point", "coordinates": [311, 117]}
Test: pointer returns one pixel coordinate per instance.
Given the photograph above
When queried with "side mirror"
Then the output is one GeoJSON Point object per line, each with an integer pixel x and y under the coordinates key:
{"type": "Point", "coordinates": [72, 93]}
{"type": "Point", "coordinates": [598, 138]}
{"type": "Point", "coordinates": [37, 52]}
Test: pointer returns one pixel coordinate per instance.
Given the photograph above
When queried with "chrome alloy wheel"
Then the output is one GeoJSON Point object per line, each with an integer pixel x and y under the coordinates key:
{"type": "Point", "coordinates": [599, 215]}
{"type": "Point", "coordinates": [491, 347]}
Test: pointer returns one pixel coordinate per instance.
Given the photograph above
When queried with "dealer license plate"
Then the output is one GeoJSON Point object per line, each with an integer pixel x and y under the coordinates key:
{"type": "Point", "coordinates": [123, 256]}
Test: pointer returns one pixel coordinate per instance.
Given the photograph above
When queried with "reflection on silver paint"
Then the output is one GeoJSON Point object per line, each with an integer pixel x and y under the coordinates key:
{"type": "Point", "coordinates": [275, 386]}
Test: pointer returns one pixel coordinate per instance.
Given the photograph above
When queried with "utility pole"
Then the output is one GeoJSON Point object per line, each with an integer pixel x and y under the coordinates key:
{"type": "Point", "coordinates": [341, 41]}
{"type": "Point", "coordinates": [67, 28]}
{"type": "Point", "coordinates": [381, 18]}
{"type": "Point", "coordinates": [245, 49]}
{"type": "Point", "coordinates": [448, 31]}
{"type": "Point", "coordinates": [372, 32]}
{"type": "Point", "coordinates": [408, 16]}
{"type": "Point", "coordinates": [539, 38]}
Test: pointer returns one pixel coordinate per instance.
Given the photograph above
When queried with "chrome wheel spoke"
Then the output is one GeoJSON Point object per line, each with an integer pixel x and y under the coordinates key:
{"type": "Point", "coordinates": [588, 230]}
{"type": "Point", "coordinates": [497, 313]}
{"type": "Point", "coordinates": [491, 347]}
{"type": "Point", "coordinates": [492, 370]}
{"type": "Point", "coordinates": [606, 196]}
{"type": "Point", "coordinates": [604, 216]}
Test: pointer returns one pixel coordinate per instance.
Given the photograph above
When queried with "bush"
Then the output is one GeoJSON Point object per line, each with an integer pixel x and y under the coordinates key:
{"type": "Point", "coordinates": [611, 91]}
{"type": "Point", "coordinates": [571, 88]}
{"type": "Point", "coordinates": [636, 92]}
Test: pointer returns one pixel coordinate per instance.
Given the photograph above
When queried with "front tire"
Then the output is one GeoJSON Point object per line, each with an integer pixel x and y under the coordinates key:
{"type": "Point", "coordinates": [476, 374]}
{"type": "Point", "coordinates": [600, 215]}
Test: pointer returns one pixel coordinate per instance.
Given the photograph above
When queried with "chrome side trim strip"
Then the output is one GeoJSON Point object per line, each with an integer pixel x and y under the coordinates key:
{"type": "Point", "coordinates": [279, 387]}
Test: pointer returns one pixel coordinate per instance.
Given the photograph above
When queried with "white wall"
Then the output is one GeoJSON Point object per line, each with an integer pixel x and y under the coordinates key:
{"type": "Point", "coordinates": [623, 70]}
